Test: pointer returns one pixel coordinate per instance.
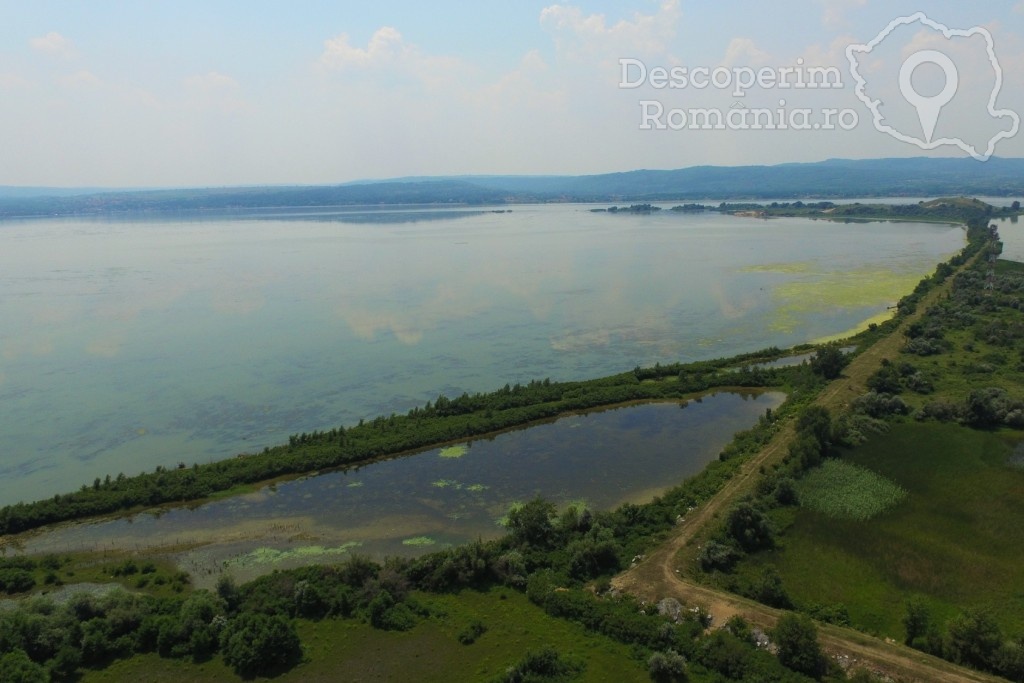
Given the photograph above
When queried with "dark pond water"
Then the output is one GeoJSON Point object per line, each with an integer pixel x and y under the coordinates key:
{"type": "Point", "coordinates": [426, 501]}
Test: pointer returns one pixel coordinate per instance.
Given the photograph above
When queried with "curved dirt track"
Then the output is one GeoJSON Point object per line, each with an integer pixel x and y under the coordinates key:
{"type": "Point", "coordinates": [660, 575]}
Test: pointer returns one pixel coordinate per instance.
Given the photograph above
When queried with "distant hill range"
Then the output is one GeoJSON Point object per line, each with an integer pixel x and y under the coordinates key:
{"type": "Point", "coordinates": [832, 179]}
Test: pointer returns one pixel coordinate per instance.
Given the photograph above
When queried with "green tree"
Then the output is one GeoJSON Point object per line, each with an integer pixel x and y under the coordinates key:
{"type": "Point", "coordinates": [768, 589]}
{"type": "Point", "coordinates": [64, 662]}
{"type": "Point", "coordinates": [531, 523]}
{"type": "Point", "coordinates": [542, 665]}
{"type": "Point", "coordinates": [749, 527]}
{"type": "Point", "coordinates": [97, 641]}
{"type": "Point", "coordinates": [16, 667]}
{"type": "Point", "coordinates": [974, 639]}
{"type": "Point", "coordinates": [797, 639]}
{"type": "Point", "coordinates": [726, 654]}
{"type": "Point", "coordinates": [985, 407]}
{"type": "Point", "coordinates": [828, 362]}
{"type": "Point", "coordinates": [817, 422]}
{"type": "Point", "coordinates": [805, 451]}
{"type": "Point", "coordinates": [916, 622]}
{"type": "Point", "coordinates": [259, 644]}
{"type": "Point", "coordinates": [886, 380]}
{"type": "Point", "coordinates": [667, 667]}
{"type": "Point", "coordinates": [16, 580]}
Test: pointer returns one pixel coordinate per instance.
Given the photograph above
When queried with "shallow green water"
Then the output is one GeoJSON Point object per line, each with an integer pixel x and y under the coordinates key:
{"type": "Point", "coordinates": [135, 343]}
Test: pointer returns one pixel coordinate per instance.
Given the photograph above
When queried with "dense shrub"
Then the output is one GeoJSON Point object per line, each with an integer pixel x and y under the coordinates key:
{"type": "Point", "coordinates": [797, 640]}
{"type": "Point", "coordinates": [667, 667]}
{"type": "Point", "coordinates": [943, 411]}
{"type": "Point", "coordinates": [542, 666]}
{"type": "Point", "coordinates": [16, 580]}
{"type": "Point", "coordinates": [259, 644]}
{"type": "Point", "coordinates": [879, 405]}
{"type": "Point", "coordinates": [716, 555]}
{"type": "Point", "coordinates": [750, 528]}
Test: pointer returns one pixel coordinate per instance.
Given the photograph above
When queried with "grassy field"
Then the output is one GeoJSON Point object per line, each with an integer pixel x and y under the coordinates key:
{"type": "Point", "coordinates": [956, 540]}
{"type": "Point", "coordinates": [346, 650]}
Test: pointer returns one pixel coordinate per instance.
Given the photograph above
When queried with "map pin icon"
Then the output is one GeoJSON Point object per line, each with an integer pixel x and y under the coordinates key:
{"type": "Point", "coordinates": [928, 108]}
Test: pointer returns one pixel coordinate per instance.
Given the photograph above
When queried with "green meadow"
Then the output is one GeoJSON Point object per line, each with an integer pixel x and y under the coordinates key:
{"type": "Point", "coordinates": [347, 650]}
{"type": "Point", "coordinates": [956, 539]}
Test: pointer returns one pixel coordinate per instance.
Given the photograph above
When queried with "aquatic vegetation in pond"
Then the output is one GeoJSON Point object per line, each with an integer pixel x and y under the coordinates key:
{"type": "Point", "coordinates": [262, 556]}
{"type": "Point", "coordinates": [458, 485]}
{"type": "Point", "coordinates": [795, 268]}
{"type": "Point", "coordinates": [456, 451]}
{"type": "Point", "coordinates": [399, 499]}
{"type": "Point", "coordinates": [419, 541]}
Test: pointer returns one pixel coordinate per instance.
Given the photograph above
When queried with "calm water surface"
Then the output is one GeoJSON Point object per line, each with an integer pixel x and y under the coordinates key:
{"type": "Point", "coordinates": [134, 343]}
{"type": "Point", "coordinates": [438, 497]}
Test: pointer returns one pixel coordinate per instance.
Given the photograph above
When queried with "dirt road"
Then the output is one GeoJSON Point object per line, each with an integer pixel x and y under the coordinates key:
{"type": "Point", "coordinates": [660, 575]}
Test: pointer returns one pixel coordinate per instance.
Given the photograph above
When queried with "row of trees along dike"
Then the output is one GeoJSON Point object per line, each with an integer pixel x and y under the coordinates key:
{"type": "Point", "coordinates": [972, 637]}
{"type": "Point", "coordinates": [437, 422]}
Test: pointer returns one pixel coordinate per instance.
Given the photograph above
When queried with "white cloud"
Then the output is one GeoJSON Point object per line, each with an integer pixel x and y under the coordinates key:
{"type": "Point", "coordinates": [834, 12]}
{"type": "Point", "coordinates": [834, 54]}
{"type": "Point", "coordinates": [53, 43]}
{"type": "Point", "coordinates": [214, 91]}
{"type": "Point", "coordinates": [581, 36]}
{"type": "Point", "coordinates": [744, 52]}
{"type": "Point", "coordinates": [388, 51]}
{"type": "Point", "coordinates": [385, 44]}
{"type": "Point", "coordinates": [529, 83]}
{"type": "Point", "coordinates": [211, 81]}
{"type": "Point", "coordinates": [82, 78]}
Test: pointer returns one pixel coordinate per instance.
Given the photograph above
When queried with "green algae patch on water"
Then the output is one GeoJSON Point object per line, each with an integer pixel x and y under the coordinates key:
{"type": "Point", "coordinates": [458, 485]}
{"type": "Point", "coordinates": [809, 291]}
{"type": "Point", "coordinates": [873, 320]}
{"type": "Point", "coordinates": [456, 451]}
{"type": "Point", "coordinates": [264, 556]}
{"type": "Point", "coordinates": [419, 541]}
{"type": "Point", "coordinates": [796, 268]}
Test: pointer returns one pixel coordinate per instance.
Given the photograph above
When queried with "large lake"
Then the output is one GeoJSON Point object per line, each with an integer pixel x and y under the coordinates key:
{"type": "Point", "coordinates": [127, 344]}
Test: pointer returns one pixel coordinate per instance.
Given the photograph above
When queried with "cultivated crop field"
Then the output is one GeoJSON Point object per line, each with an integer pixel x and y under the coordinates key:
{"type": "Point", "coordinates": [842, 490]}
{"type": "Point", "coordinates": [956, 540]}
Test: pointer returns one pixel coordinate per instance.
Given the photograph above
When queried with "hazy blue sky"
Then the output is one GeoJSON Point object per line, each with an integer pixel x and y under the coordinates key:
{"type": "Point", "coordinates": [226, 93]}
